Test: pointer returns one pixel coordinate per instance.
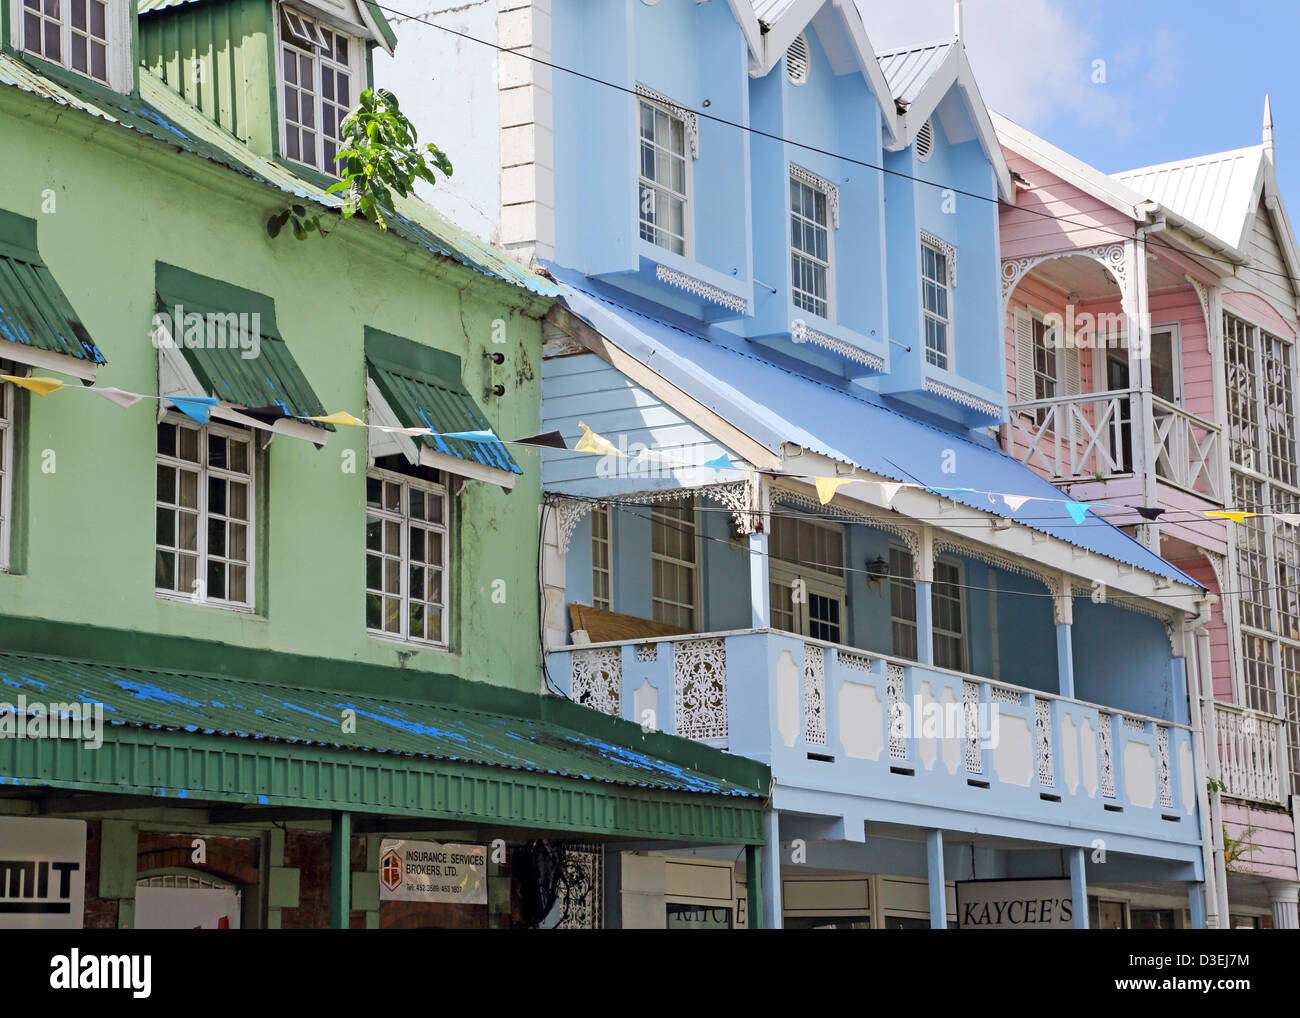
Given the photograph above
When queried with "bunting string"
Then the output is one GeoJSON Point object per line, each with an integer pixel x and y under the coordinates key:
{"type": "Point", "coordinates": [200, 408]}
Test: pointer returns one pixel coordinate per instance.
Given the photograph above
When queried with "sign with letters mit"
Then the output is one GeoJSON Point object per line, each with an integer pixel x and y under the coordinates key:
{"type": "Point", "coordinates": [1014, 905]}
{"type": "Point", "coordinates": [429, 871]}
{"type": "Point", "coordinates": [42, 873]}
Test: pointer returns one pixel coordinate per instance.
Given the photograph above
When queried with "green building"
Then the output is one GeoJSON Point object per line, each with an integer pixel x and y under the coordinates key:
{"type": "Point", "coordinates": [304, 638]}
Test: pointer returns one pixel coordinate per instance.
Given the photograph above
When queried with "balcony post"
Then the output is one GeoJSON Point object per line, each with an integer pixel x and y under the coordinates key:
{"type": "Point", "coordinates": [1078, 888]}
{"type": "Point", "coordinates": [340, 870]}
{"type": "Point", "coordinates": [1282, 896]}
{"type": "Point", "coordinates": [754, 886]}
{"type": "Point", "coordinates": [1139, 357]}
{"type": "Point", "coordinates": [1196, 905]}
{"type": "Point", "coordinates": [771, 875]}
{"type": "Point", "coordinates": [923, 574]}
{"type": "Point", "coordinates": [760, 604]}
{"type": "Point", "coordinates": [1063, 612]}
{"type": "Point", "coordinates": [934, 872]}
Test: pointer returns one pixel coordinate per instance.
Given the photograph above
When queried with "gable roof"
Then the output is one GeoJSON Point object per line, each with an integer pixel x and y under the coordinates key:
{"type": "Point", "coordinates": [778, 406]}
{"type": "Point", "coordinates": [921, 77]}
{"type": "Point", "coordinates": [372, 17]}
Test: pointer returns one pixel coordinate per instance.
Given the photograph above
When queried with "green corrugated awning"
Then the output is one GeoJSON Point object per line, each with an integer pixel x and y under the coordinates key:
{"type": "Point", "coordinates": [423, 388]}
{"type": "Point", "coordinates": [250, 364]}
{"type": "Point", "coordinates": [215, 738]}
{"type": "Point", "coordinates": [34, 311]}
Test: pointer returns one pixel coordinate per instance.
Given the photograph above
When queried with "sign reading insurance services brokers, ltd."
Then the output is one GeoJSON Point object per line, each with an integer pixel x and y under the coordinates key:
{"type": "Point", "coordinates": [1014, 905]}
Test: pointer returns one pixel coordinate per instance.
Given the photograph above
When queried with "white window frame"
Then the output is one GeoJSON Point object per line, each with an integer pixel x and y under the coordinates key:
{"type": "Point", "coordinates": [905, 580]}
{"type": "Point", "coordinates": [121, 75]}
{"type": "Point", "coordinates": [928, 315]}
{"type": "Point", "coordinates": [602, 556]}
{"type": "Point", "coordinates": [403, 519]}
{"type": "Point", "coordinates": [1176, 355]}
{"type": "Point", "coordinates": [962, 637]}
{"type": "Point", "coordinates": [204, 471]}
{"type": "Point", "coordinates": [798, 252]}
{"type": "Point", "coordinates": [693, 567]}
{"type": "Point", "coordinates": [356, 67]}
{"type": "Point", "coordinates": [688, 158]}
{"type": "Point", "coordinates": [783, 574]}
{"type": "Point", "coordinates": [8, 395]}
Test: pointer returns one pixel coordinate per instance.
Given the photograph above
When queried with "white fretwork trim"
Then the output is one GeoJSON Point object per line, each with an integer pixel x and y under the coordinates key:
{"type": "Point", "coordinates": [823, 185]}
{"type": "Point", "coordinates": [908, 535]}
{"type": "Point", "coordinates": [956, 546]}
{"type": "Point", "coordinates": [1001, 694]}
{"type": "Point", "coordinates": [801, 333]}
{"type": "Point", "coordinates": [1203, 295]}
{"type": "Point", "coordinates": [690, 118]}
{"type": "Point", "coordinates": [1166, 779]}
{"type": "Point", "coordinates": [962, 398]}
{"type": "Point", "coordinates": [1111, 256]}
{"type": "Point", "coordinates": [1043, 741]}
{"type": "Point", "coordinates": [738, 496]}
{"type": "Point", "coordinates": [853, 662]}
{"type": "Point", "coordinates": [949, 254]}
{"type": "Point", "coordinates": [970, 697]}
{"type": "Point", "coordinates": [596, 679]}
{"type": "Point", "coordinates": [1106, 753]}
{"type": "Point", "coordinates": [895, 694]}
{"type": "Point", "coordinates": [814, 694]}
{"type": "Point", "coordinates": [707, 291]}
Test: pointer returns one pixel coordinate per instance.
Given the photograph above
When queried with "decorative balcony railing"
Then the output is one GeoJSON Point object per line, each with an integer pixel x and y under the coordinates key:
{"type": "Point", "coordinates": [1090, 437]}
{"type": "Point", "coordinates": [1252, 754]}
{"type": "Point", "coordinates": [836, 718]}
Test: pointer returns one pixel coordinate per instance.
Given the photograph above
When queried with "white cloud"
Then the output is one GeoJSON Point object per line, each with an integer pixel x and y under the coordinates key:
{"type": "Point", "coordinates": [1035, 60]}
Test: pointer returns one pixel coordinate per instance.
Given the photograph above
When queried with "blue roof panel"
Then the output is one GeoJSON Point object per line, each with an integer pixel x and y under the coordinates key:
{"type": "Point", "coordinates": [775, 405]}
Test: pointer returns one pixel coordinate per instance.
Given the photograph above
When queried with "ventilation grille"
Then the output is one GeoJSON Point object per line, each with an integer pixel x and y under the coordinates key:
{"type": "Point", "coordinates": [796, 60]}
{"type": "Point", "coordinates": [925, 141]}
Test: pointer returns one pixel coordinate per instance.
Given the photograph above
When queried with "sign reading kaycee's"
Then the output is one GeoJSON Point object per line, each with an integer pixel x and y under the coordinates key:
{"type": "Point", "coordinates": [428, 871]}
{"type": "Point", "coordinates": [42, 873]}
{"type": "Point", "coordinates": [1014, 905]}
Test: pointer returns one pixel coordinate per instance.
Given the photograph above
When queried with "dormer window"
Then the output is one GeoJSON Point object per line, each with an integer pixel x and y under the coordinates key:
{"type": "Point", "coordinates": [321, 73]}
{"type": "Point", "coordinates": [86, 36]}
{"type": "Point", "coordinates": [936, 302]}
{"type": "Point", "coordinates": [663, 177]}
{"type": "Point", "coordinates": [810, 244]}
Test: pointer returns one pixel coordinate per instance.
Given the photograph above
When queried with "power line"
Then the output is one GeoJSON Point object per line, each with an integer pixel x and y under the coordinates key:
{"type": "Point", "coordinates": [723, 121]}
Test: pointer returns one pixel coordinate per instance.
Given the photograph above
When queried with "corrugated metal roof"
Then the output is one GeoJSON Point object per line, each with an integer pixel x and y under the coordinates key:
{"type": "Point", "coordinates": [34, 311]}
{"type": "Point", "coordinates": [165, 115]}
{"type": "Point", "coordinates": [149, 6]}
{"type": "Point", "coordinates": [908, 71]}
{"type": "Point", "coordinates": [177, 701]}
{"type": "Point", "coordinates": [1215, 192]}
{"type": "Point", "coordinates": [775, 405]}
{"type": "Point", "coordinates": [769, 11]}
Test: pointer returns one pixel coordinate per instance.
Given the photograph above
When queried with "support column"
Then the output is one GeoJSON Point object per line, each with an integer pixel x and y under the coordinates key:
{"type": "Point", "coordinates": [771, 876]}
{"type": "Point", "coordinates": [754, 886]}
{"type": "Point", "coordinates": [1139, 358]}
{"type": "Point", "coordinates": [1196, 905]}
{"type": "Point", "coordinates": [340, 870]}
{"type": "Point", "coordinates": [1063, 613]}
{"type": "Point", "coordinates": [760, 606]}
{"type": "Point", "coordinates": [923, 574]}
{"type": "Point", "coordinates": [1282, 895]}
{"type": "Point", "coordinates": [1078, 888]}
{"type": "Point", "coordinates": [934, 871]}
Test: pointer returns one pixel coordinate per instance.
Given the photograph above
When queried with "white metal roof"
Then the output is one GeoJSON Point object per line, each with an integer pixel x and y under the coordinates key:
{"type": "Point", "coordinates": [908, 71]}
{"type": "Point", "coordinates": [1218, 192]}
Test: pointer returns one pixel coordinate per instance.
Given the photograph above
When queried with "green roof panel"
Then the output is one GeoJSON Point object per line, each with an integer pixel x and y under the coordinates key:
{"type": "Point", "coordinates": [423, 386]}
{"type": "Point", "coordinates": [34, 311]}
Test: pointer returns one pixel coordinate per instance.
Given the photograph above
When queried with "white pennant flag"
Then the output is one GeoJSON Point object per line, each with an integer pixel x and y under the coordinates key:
{"type": "Point", "coordinates": [412, 432]}
{"type": "Point", "coordinates": [1291, 518]}
{"type": "Point", "coordinates": [120, 397]}
{"type": "Point", "coordinates": [1014, 502]}
{"type": "Point", "coordinates": [888, 489]}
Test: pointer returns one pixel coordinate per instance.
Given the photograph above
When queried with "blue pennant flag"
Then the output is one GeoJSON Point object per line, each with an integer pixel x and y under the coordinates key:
{"type": "Point", "coordinates": [471, 436]}
{"type": "Point", "coordinates": [949, 491]}
{"type": "Point", "coordinates": [1078, 510]}
{"type": "Point", "coordinates": [719, 463]}
{"type": "Point", "coordinates": [197, 408]}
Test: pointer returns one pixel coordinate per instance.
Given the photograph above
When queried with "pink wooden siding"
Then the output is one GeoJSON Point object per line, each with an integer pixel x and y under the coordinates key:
{"type": "Point", "coordinates": [1053, 215]}
{"type": "Point", "coordinates": [1273, 837]}
{"type": "Point", "coordinates": [1220, 652]}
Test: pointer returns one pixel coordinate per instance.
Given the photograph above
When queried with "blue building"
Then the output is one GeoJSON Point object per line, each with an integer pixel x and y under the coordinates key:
{"type": "Point", "coordinates": [780, 258]}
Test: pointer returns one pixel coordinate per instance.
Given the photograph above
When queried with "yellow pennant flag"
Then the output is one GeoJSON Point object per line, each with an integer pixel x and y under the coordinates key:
{"type": "Point", "coordinates": [40, 386]}
{"type": "Point", "coordinates": [342, 417]}
{"type": "Point", "coordinates": [1236, 517]}
{"type": "Point", "coordinates": [828, 486]}
{"type": "Point", "coordinates": [593, 443]}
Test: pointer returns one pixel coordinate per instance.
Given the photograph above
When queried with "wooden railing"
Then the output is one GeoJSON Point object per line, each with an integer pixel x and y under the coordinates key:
{"type": "Point", "coordinates": [1187, 450]}
{"type": "Point", "coordinates": [1252, 754]}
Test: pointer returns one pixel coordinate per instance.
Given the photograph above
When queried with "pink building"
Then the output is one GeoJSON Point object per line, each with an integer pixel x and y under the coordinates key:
{"type": "Point", "coordinates": [1151, 321]}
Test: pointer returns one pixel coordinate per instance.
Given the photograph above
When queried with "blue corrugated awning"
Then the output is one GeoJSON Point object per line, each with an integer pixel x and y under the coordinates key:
{"type": "Point", "coordinates": [775, 405]}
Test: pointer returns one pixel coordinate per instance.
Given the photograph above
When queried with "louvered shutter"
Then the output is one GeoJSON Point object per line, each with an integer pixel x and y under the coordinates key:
{"type": "Point", "coordinates": [1024, 357]}
{"type": "Point", "coordinates": [1067, 367]}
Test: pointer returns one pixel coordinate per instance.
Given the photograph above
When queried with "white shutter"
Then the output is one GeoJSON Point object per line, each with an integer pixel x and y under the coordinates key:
{"type": "Point", "coordinates": [1067, 369]}
{"type": "Point", "coordinates": [1024, 357]}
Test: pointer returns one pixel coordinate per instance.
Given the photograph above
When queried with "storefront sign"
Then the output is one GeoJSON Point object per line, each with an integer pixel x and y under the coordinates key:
{"type": "Point", "coordinates": [428, 871]}
{"type": "Point", "coordinates": [1014, 905]}
{"type": "Point", "coordinates": [42, 874]}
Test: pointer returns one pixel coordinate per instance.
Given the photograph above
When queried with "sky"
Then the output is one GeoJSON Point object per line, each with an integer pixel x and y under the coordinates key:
{"type": "Point", "coordinates": [1176, 78]}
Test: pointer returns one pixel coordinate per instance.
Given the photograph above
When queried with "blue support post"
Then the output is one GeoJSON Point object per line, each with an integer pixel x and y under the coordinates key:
{"type": "Point", "coordinates": [934, 871]}
{"type": "Point", "coordinates": [924, 624]}
{"type": "Point", "coordinates": [759, 593]}
{"type": "Point", "coordinates": [772, 871]}
{"type": "Point", "coordinates": [1079, 888]}
{"type": "Point", "coordinates": [1065, 660]}
{"type": "Point", "coordinates": [1196, 904]}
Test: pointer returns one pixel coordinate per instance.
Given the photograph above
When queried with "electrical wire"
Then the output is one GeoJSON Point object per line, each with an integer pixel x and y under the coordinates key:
{"type": "Point", "coordinates": [864, 164]}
